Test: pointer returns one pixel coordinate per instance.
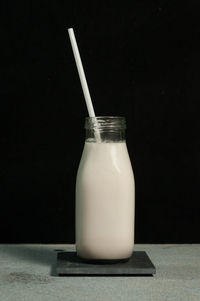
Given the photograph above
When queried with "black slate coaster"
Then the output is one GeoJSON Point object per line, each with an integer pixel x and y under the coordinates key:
{"type": "Point", "coordinates": [69, 264]}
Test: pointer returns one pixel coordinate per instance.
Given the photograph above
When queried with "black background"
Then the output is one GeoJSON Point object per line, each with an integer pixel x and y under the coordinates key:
{"type": "Point", "coordinates": [142, 61]}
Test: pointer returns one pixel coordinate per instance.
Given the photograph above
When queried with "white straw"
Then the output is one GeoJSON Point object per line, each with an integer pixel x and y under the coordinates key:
{"type": "Point", "coordinates": [83, 80]}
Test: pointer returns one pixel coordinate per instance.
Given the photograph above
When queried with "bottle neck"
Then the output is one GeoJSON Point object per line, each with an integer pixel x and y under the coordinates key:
{"type": "Point", "coordinates": [108, 128]}
{"type": "Point", "coordinates": [105, 135]}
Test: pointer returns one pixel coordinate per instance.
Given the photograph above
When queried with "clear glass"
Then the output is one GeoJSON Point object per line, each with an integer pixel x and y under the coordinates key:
{"type": "Point", "coordinates": [105, 193]}
{"type": "Point", "coordinates": [111, 128]}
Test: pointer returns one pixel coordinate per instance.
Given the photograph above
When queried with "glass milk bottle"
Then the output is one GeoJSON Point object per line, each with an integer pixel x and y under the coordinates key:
{"type": "Point", "coordinates": [105, 193]}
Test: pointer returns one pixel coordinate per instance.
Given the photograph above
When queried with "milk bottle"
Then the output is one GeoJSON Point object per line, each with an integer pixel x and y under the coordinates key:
{"type": "Point", "coordinates": [105, 193]}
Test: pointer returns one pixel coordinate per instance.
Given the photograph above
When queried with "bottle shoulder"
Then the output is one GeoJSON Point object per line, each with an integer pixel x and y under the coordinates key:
{"type": "Point", "coordinates": [107, 156]}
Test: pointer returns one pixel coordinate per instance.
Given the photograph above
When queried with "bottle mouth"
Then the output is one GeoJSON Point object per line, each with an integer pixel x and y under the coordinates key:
{"type": "Point", "coordinates": [105, 122]}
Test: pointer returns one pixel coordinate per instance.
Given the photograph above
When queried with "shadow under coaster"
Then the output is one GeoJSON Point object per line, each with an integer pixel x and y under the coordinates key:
{"type": "Point", "coordinates": [69, 264]}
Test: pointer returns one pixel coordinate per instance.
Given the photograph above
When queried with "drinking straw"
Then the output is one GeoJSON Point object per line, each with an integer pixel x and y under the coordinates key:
{"type": "Point", "coordinates": [83, 80]}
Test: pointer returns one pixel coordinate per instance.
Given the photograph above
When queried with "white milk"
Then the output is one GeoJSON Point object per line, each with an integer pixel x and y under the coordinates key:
{"type": "Point", "coordinates": [105, 202]}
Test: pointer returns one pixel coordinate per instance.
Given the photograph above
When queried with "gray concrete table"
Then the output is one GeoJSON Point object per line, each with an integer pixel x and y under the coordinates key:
{"type": "Point", "coordinates": [27, 272]}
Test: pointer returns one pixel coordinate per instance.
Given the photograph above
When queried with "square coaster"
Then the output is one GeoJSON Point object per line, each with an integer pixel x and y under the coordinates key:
{"type": "Point", "coordinates": [69, 264]}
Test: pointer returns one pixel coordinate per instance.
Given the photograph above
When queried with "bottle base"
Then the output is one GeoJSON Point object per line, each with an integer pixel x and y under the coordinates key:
{"type": "Point", "coordinates": [103, 261]}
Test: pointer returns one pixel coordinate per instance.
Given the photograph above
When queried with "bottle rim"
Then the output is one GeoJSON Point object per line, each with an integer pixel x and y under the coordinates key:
{"type": "Point", "coordinates": [105, 122]}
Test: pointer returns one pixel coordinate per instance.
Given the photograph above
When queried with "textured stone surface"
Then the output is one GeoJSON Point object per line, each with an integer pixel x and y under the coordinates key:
{"type": "Point", "coordinates": [68, 263]}
{"type": "Point", "coordinates": [27, 272]}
